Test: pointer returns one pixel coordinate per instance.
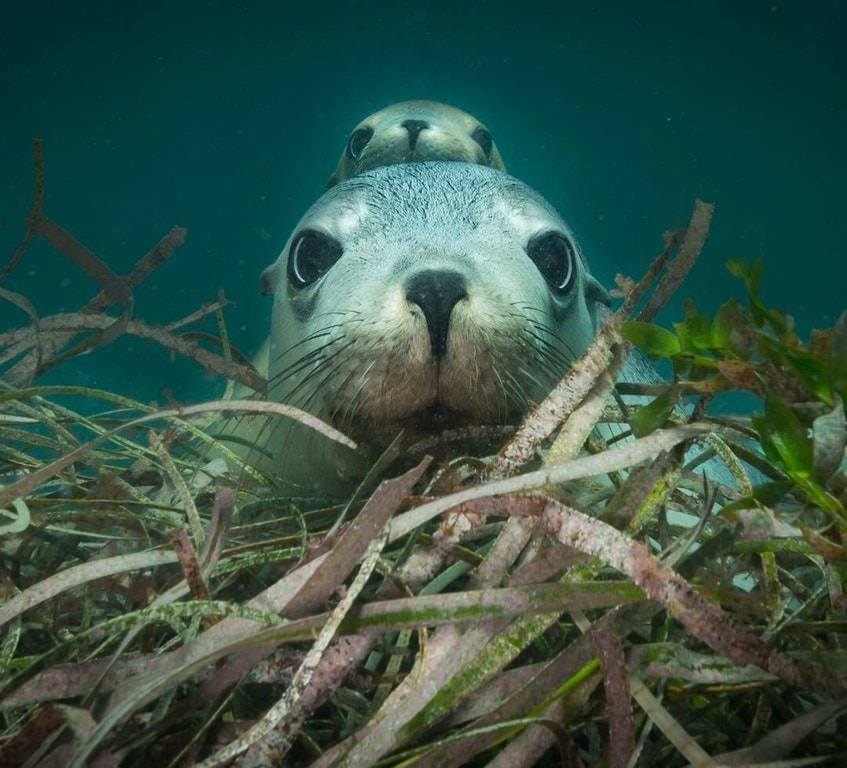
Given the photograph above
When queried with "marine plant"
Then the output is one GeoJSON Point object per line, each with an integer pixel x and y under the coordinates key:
{"type": "Point", "coordinates": [565, 600]}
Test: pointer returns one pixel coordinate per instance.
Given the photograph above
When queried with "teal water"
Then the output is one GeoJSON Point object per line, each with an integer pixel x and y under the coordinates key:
{"type": "Point", "coordinates": [227, 118]}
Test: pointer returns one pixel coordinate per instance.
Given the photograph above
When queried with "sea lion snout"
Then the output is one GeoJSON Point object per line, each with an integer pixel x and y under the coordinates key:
{"type": "Point", "coordinates": [414, 127]}
{"type": "Point", "coordinates": [436, 293]}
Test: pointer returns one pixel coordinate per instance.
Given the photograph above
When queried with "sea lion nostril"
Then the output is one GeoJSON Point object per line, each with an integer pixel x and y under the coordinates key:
{"type": "Point", "coordinates": [414, 127]}
{"type": "Point", "coordinates": [436, 292]}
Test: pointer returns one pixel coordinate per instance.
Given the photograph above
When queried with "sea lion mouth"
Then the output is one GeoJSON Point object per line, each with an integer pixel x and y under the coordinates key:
{"type": "Point", "coordinates": [437, 418]}
{"type": "Point", "coordinates": [426, 399]}
{"type": "Point", "coordinates": [429, 421]}
{"type": "Point", "coordinates": [439, 429]}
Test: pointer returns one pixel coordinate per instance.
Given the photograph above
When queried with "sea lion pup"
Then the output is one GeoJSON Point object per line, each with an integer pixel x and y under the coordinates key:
{"type": "Point", "coordinates": [416, 131]}
{"type": "Point", "coordinates": [417, 297]}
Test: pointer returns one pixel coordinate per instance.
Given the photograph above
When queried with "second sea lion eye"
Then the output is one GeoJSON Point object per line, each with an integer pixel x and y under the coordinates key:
{"type": "Point", "coordinates": [483, 138]}
{"type": "Point", "coordinates": [312, 255]}
{"type": "Point", "coordinates": [555, 257]}
{"type": "Point", "coordinates": [358, 141]}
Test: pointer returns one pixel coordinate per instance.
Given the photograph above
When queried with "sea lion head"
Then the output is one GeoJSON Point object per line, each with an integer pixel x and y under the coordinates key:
{"type": "Point", "coordinates": [426, 295]}
{"type": "Point", "coordinates": [416, 131]}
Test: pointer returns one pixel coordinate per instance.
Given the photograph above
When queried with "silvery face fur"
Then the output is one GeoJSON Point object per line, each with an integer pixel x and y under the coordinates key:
{"type": "Point", "coordinates": [353, 349]}
{"type": "Point", "coordinates": [416, 131]}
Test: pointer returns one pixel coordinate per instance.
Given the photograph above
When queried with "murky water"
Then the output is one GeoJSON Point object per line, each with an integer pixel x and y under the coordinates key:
{"type": "Point", "coordinates": [227, 119]}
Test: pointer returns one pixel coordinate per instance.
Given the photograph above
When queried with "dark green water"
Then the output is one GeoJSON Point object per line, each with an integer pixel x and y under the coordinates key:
{"type": "Point", "coordinates": [227, 118]}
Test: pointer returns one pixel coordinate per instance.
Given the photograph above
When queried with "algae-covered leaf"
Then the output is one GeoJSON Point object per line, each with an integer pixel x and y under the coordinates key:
{"type": "Point", "coordinates": [654, 414]}
{"type": "Point", "coordinates": [767, 494]}
{"type": "Point", "coordinates": [723, 325]}
{"type": "Point", "coordinates": [786, 441]}
{"type": "Point", "coordinates": [673, 660]}
{"type": "Point", "coordinates": [751, 274]}
{"type": "Point", "coordinates": [819, 495]}
{"type": "Point", "coordinates": [829, 433]}
{"type": "Point", "coordinates": [741, 375]}
{"type": "Point", "coordinates": [81, 574]}
{"type": "Point", "coordinates": [784, 437]}
{"type": "Point", "coordinates": [694, 334]}
{"type": "Point", "coordinates": [812, 372]}
{"type": "Point", "coordinates": [652, 339]}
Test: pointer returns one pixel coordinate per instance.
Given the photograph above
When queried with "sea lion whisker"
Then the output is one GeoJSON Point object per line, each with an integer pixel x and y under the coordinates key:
{"type": "Point", "coordinates": [335, 363]}
{"type": "Point", "coordinates": [521, 369]}
{"type": "Point", "coordinates": [517, 389]}
{"type": "Point", "coordinates": [320, 333]}
{"type": "Point", "coordinates": [560, 341]}
{"type": "Point", "coordinates": [504, 413]}
{"type": "Point", "coordinates": [302, 363]}
{"type": "Point", "coordinates": [549, 365]}
{"type": "Point", "coordinates": [317, 366]}
{"type": "Point", "coordinates": [318, 370]}
{"type": "Point", "coordinates": [554, 357]}
{"type": "Point", "coordinates": [544, 329]}
{"type": "Point", "coordinates": [305, 405]}
{"type": "Point", "coordinates": [557, 364]}
{"type": "Point", "coordinates": [542, 348]}
{"type": "Point", "coordinates": [319, 387]}
{"type": "Point", "coordinates": [529, 307]}
{"type": "Point", "coordinates": [334, 339]}
{"type": "Point", "coordinates": [541, 326]}
{"type": "Point", "coordinates": [336, 312]}
{"type": "Point", "coordinates": [341, 388]}
{"type": "Point", "coordinates": [311, 337]}
{"type": "Point", "coordinates": [353, 402]}
{"type": "Point", "coordinates": [357, 401]}
{"type": "Point", "coordinates": [545, 347]}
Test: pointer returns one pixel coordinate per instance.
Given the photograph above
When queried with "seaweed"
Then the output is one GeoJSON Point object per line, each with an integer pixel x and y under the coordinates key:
{"type": "Point", "coordinates": [559, 601]}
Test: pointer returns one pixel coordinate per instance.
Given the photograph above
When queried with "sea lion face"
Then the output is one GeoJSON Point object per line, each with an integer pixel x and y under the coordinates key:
{"type": "Point", "coordinates": [416, 131]}
{"type": "Point", "coordinates": [427, 295]}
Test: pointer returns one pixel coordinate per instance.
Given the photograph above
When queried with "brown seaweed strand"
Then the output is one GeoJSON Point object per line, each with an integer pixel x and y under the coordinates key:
{"type": "Point", "coordinates": [34, 218]}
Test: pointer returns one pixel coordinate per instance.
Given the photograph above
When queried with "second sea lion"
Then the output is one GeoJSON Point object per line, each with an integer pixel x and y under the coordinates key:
{"type": "Point", "coordinates": [416, 131]}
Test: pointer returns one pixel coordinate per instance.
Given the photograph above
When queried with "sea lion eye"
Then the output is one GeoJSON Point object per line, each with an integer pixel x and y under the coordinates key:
{"type": "Point", "coordinates": [311, 256]}
{"type": "Point", "coordinates": [358, 141]}
{"type": "Point", "coordinates": [554, 256]}
{"type": "Point", "coordinates": [483, 138]}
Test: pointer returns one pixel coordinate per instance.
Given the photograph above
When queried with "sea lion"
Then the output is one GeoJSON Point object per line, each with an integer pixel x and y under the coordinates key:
{"type": "Point", "coordinates": [416, 131]}
{"type": "Point", "coordinates": [408, 131]}
{"type": "Point", "coordinates": [416, 297]}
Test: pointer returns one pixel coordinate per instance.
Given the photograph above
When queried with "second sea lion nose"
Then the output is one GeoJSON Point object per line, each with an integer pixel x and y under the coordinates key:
{"type": "Point", "coordinates": [414, 127]}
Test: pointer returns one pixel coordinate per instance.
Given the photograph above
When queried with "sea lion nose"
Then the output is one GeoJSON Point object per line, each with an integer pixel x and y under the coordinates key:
{"type": "Point", "coordinates": [414, 127]}
{"type": "Point", "coordinates": [436, 292]}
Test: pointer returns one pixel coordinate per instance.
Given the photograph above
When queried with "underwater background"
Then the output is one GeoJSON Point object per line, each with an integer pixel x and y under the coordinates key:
{"type": "Point", "coordinates": [227, 119]}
